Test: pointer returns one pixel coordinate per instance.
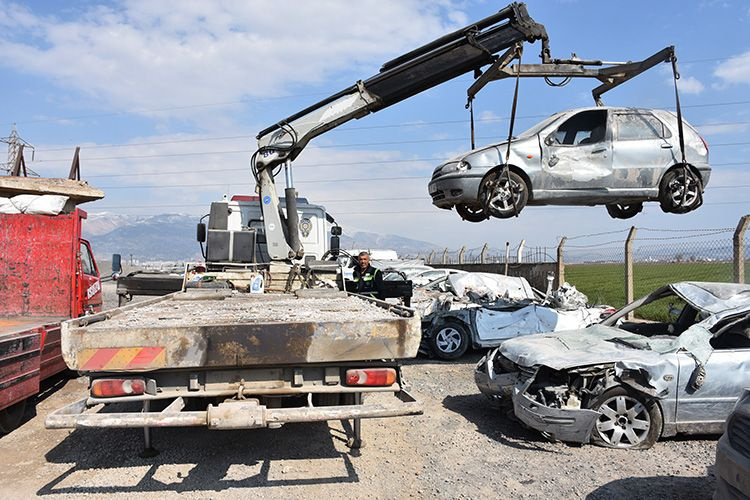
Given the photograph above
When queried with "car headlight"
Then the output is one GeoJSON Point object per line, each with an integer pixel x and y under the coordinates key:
{"type": "Point", "coordinates": [463, 166]}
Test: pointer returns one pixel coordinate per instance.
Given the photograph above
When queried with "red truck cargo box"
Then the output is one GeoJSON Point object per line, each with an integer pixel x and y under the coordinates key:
{"type": "Point", "coordinates": [38, 263]}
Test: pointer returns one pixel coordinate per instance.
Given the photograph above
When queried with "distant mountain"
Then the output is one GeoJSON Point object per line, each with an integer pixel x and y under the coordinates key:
{"type": "Point", "coordinates": [171, 237]}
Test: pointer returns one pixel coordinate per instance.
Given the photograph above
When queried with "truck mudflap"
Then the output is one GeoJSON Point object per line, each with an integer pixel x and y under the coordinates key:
{"type": "Point", "coordinates": [240, 414]}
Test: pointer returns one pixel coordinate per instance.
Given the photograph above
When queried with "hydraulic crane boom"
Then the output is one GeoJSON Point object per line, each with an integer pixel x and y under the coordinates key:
{"type": "Point", "coordinates": [448, 57]}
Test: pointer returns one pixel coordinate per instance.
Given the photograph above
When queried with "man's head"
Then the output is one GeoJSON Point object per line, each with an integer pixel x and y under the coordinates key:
{"type": "Point", "coordinates": [364, 260]}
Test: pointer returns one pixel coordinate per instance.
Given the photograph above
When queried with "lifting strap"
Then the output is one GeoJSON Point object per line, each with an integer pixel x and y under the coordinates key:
{"type": "Point", "coordinates": [506, 169]}
{"type": "Point", "coordinates": [687, 174]}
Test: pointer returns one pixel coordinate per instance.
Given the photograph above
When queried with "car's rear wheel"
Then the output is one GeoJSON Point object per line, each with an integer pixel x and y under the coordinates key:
{"type": "Point", "coordinates": [624, 211]}
{"type": "Point", "coordinates": [628, 420]}
{"type": "Point", "coordinates": [504, 194]}
{"type": "Point", "coordinates": [678, 196]}
{"type": "Point", "coordinates": [450, 340]}
{"type": "Point", "coordinates": [472, 214]}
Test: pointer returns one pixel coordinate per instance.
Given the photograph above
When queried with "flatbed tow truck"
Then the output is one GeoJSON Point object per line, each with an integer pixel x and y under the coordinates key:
{"type": "Point", "coordinates": [223, 357]}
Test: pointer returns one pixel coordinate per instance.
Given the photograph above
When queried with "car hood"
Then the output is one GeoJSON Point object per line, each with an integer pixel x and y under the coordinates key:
{"type": "Point", "coordinates": [600, 344]}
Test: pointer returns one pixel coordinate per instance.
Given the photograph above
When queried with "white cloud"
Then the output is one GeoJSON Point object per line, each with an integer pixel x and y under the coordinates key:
{"type": "Point", "coordinates": [735, 69]}
{"type": "Point", "coordinates": [143, 55]}
{"type": "Point", "coordinates": [690, 85]}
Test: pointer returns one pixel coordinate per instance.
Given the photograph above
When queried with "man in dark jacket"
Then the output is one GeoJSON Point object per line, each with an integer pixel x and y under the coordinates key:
{"type": "Point", "coordinates": [367, 279]}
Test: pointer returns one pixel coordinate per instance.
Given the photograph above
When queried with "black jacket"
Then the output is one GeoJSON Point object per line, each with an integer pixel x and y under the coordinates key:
{"type": "Point", "coordinates": [368, 282]}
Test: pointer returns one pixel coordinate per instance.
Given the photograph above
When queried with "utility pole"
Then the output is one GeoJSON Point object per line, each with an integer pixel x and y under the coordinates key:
{"type": "Point", "coordinates": [14, 143]}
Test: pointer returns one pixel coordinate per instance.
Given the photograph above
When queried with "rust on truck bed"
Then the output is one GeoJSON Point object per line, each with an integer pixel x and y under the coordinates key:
{"type": "Point", "coordinates": [238, 329]}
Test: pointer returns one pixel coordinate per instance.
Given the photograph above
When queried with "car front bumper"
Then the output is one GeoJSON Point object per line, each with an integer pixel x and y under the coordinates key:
{"type": "Point", "coordinates": [563, 424]}
{"type": "Point", "coordinates": [496, 386]}
{"type": "Point", "coordinates": [455, 189]}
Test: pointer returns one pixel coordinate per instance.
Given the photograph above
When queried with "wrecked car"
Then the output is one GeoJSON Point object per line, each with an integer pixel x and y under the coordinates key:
{"type": "Point", "coordinates": [484, 310]}
{"type": "Point", "coordinates": [733, 453]}
{"type": "Point", "coordinates": [624, 383]}
{"type": "Point", "coordinates": [617, 157]}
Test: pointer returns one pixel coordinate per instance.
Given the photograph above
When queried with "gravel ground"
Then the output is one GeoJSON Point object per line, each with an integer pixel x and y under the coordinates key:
{"type": "Point", "coordinates": [462, 446]}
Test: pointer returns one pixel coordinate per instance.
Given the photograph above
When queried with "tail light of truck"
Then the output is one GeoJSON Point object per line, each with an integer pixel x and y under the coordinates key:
{"type": "Point", "coordinates": [371, 377]}
{"type": "Point", "coordinates": [114, 387]}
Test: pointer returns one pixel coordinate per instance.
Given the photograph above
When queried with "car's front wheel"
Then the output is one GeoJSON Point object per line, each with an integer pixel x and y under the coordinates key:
{"type": "Point", "coordinates": [472, 214]}
{"type": "Point", "coordinates": [680, 193]}
{"type": "Point", "coordinates": [504, 194]}
{"type": "Point", "coordinates": [624, 211]}
{"type": "Point", "coordinates": [628, 420]}
{"type": "Point", "coordinates": [450, 340]}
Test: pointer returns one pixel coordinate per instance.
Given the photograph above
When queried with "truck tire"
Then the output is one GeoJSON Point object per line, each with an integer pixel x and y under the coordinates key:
{"type": "Point", "coordinates": [11, 417]}
{"type": "Point", "coordinates": [629, 420]}
{"type": "Point", "coordinates": [449, 340]}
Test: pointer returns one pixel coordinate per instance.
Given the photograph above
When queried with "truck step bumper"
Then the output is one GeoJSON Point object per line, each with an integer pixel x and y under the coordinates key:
{"type": "Point", "coordinates": [245, 414]}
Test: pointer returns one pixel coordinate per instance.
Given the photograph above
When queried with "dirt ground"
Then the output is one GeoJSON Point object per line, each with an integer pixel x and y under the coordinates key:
{"type": "Point", "coordinates": [462, 446]}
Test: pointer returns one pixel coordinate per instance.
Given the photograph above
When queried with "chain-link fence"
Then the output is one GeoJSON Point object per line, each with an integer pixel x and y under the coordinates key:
{"type": "Point", "coordinates": [490, 255]}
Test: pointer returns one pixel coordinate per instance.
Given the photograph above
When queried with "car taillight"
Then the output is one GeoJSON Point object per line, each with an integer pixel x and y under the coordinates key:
{"type": "Point", "coordinates": [113, 387]}
{"type": "Point", "coordinates": [371, 376]}
{"type": "Point", "coordinates": [705, 144]}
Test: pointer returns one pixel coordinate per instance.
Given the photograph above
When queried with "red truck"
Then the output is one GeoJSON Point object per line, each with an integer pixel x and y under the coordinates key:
{"type": "Point", "coordinates": [47, 274]}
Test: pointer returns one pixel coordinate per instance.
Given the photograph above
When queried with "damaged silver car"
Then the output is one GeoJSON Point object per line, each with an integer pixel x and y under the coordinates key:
{"type": "Point", "coordinates": [625, 383]}
{"type": "Point", "coordinates": [617, 157]}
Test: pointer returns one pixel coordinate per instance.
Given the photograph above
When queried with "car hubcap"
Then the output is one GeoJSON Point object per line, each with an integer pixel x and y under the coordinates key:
{"type": "Point", "coordinates": [624, 422]}
{"type": "Point", "coordinates": [505, 194]}
{"type": "Point", "coordinates": [677, 190]}
{"type": "Point", "coordinates": [448, 340]}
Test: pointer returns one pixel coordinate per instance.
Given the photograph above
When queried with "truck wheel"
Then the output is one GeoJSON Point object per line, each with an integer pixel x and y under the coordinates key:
{"type": "Point", "coordinates": [624, 211]}
{"type": "Point", "coordinates": [10, 418]}
{"type": "Point", "coordinates": [472, 214]}
{"type": "Point", "coordinates": [504, 195]}
{"type": "Point", "coordinates": [629, 420]}
{"type": "Point", "coordinates": [449, 340]}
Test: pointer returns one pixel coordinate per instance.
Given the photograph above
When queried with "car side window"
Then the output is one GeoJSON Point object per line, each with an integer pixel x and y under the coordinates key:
{"type": "Point", "coordinates": [639, 126]}
{"type": "Point", "coordinates": [586, 127]}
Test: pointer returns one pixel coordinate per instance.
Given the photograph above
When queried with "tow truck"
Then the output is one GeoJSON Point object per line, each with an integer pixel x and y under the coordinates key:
{"type": "Point", "coordinates": [218, 354]}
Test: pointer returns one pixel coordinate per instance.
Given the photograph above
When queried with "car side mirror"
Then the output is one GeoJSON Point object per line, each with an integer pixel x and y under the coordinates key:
{"type": "Point", "coordinates": [116, 263]}
{"type": "Point", "coordinates": [548, 140]}
{"type": "Point", "coordinates": [201, 232]}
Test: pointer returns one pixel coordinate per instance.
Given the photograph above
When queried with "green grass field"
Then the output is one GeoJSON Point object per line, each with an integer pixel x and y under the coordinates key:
{"type": "Point", "coordinates": [605, 283]}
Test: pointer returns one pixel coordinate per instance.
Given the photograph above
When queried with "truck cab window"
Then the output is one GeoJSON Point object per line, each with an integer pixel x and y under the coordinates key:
{"type": "Point", "coordinates": [87, 264]}
{"type": "Point", "coordinates": [586, 127]}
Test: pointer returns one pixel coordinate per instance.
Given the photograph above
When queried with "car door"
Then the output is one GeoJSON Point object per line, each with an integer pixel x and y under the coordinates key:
{"type": "Point", "coordinates": [706, 409]}
{"type": "Point", "coordinates": [640, 151]}
{"type": "Point", "coordinates": [578, 154]}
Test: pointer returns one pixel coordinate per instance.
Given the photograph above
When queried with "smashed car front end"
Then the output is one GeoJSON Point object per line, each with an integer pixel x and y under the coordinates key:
{"type": "Point", "coordinates": [496, 376]}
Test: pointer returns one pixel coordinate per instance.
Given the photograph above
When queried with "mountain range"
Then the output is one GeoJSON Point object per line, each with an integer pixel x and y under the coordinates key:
{"type": "Point", "coordinates": [171, 237]}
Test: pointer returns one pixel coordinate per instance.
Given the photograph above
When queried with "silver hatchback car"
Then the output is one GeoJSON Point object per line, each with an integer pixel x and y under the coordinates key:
{"type": "Point", "coordinates": [617, 157]}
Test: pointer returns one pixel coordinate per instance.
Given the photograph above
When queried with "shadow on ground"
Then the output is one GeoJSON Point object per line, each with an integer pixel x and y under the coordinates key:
{"type": "Point", "coordinates": [676, 487]}
{"type": "Point", "coordinates": [106, 461]}
{"type": "Point", "coordinates": [492, 420]}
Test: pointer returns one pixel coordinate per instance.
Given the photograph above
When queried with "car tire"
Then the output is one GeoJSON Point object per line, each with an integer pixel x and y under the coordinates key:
{"type": "Point", "coordinates": [11, 417]}
{"type": "Point", "coordinates": [671, 190]}
{"type": "Point", "coordinates": [472, 214]}
{"type": "Point", "coordinates": [496, 191]}
{"type": "Point", "coordinates": [629, 420]}
{"type": "Point", "coordinates": [449, 340]}
{"type": "Point", "coordinates": [624, 211]}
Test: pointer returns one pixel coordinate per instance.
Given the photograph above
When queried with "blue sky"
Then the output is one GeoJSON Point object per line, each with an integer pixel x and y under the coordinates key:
{"type": "Point", "coordinates": [165, 99]}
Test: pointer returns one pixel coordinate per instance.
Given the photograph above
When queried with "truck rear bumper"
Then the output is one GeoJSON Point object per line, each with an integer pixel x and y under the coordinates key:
{"type": "Point", "coordinates": [244, 414]}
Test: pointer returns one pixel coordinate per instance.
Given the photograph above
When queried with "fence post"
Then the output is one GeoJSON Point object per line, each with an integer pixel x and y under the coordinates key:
{"type": "Point", "coordinates": [507, 256]}
{"type": "Point", "coordinates": [738, 243]}
{"type": "Point", "coordinates": [629, 268]}
{"type": "Point", "coordinates": [461, 254]}
{"type": "Point", "coordinates": [445, 256]}
{"type": "Point", "coordinates": [519, 254]}
{"type": "Point", "coordinates": [483, 254]}
{"type": "Point", "coordinates": [560, 270]}
{"type": "Point", "coordinates": [430, 257]}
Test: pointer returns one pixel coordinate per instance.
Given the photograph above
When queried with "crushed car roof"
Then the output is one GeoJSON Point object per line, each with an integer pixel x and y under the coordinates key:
{"type": "Point", "coordinates": [713, 297]}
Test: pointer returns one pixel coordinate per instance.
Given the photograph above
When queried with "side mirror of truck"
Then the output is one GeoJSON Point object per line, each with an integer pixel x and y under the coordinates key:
{"type": "Point", "coordinates": [201, 233]}
{"type": "Point", "coordinates": [336, 230]}
{"type": "Point", "coordinates": [116, 263]}
{"type": "Point", "coordinates": [335, 245]}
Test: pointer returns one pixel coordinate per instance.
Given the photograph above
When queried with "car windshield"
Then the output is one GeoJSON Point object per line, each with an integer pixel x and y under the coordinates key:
{"type": "Point", "coordinates": [540, 126]}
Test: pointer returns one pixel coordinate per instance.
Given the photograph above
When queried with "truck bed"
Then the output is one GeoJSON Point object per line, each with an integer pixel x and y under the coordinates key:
{"type": "Point", "coordinates": [213, 328]}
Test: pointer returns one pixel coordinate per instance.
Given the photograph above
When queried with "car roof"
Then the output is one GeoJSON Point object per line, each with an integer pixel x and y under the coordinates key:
{"type": "Point", "coordinates": [611, 108]}
{"type": "Point", "coordinates": [713, 297]}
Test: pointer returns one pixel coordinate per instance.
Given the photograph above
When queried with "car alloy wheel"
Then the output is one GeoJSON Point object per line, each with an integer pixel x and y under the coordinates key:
{"type": "Point", "coordinates": [673, 189]}
{"type": "Point", "coordinates": [628, 420]}
{"type": "Point", "coordinates": [624, 211]}
{"type": "Point", "coordinates": [472, 214]}
{"type": "Point", "coordinates": [504, 194]}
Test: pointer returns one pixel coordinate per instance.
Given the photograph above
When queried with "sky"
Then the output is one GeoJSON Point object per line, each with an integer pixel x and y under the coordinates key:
{"type": "Point", "coordinates": [165, 99]}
